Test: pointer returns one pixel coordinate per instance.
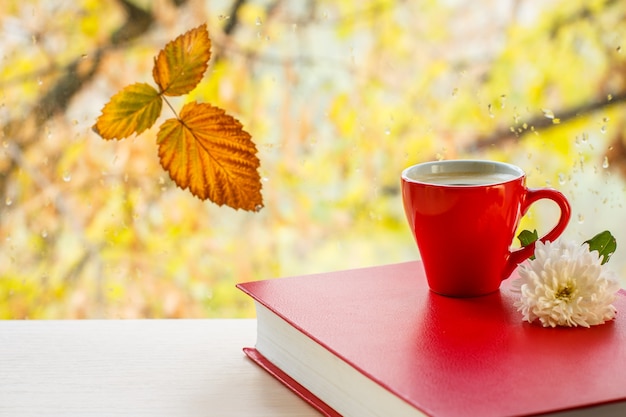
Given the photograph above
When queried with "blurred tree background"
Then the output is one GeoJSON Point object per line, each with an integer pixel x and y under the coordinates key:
{"type": "Point", "coordinates": [339, 97]}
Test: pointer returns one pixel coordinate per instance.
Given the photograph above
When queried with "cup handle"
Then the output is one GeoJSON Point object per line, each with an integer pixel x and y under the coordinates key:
{"type": "Point", "coordinates": [532, 195]}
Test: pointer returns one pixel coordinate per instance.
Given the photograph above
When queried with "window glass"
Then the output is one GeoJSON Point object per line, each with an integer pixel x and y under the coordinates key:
{"type": "Point", "coordinates": [339, 97]}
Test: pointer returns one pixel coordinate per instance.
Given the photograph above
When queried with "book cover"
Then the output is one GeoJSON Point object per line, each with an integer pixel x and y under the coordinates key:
{"type": "Point", "coordinates": [447, 356]}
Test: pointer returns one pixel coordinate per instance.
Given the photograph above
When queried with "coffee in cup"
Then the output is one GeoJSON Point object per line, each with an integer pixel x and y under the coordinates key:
{"type": "Point", "coordinates": [464, 215]}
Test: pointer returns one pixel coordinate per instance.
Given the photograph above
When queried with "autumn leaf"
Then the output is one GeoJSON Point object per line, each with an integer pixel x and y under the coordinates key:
{"type": "Point", "coordinates": [208, 152]}
{"type": "Point", "coordinates": [132, 110]}
{"type": "Point", "coordinates": [180, 66]}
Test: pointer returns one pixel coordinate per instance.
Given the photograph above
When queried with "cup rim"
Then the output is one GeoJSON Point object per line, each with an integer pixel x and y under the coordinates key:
{"type": "Point", "coordinates": [513, 169]}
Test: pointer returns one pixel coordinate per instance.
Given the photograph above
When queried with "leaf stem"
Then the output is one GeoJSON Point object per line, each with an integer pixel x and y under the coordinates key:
{"type": "Point", "coordinates": [170, 106]}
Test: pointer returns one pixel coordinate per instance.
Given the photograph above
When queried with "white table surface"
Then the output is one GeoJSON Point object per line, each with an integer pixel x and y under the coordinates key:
{"type": "Point", "coordinates": [153, 368]}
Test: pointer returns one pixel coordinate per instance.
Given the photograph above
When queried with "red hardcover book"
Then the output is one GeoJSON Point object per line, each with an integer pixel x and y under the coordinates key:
{"type": "Point", "coordinates": [377, 342]}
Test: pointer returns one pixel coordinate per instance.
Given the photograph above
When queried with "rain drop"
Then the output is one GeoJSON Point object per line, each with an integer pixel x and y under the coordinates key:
{"type": "Point", "coordinates": [8, 201]}
{"type": "Point", "coordinates": [503, 101]}
{"type": "Point", "coordinates": [548, 114]}
{"type": "Point", "coordinates": [605, 163]}
{"type": "Point", "coordinates": [490, 112]}
{"type": "Point", "coordinates": [455, 91]}
{"type": "Point", "coordinates": [44, 233]}
{"type": "Point", "coordinates": [603, 129]}
{"type": "Point", "coordinates": [387, 131]}
{"type": "Point", "coordinates": [67, 177]}
{"type": "Point", "coordinates": [258, 207]}
{"type": "Point", "coordinates": [581, 219]}
{"type": "Point", "coordinates": [561, 178]}
{"type": "Point", "coordinates": [259, 22]}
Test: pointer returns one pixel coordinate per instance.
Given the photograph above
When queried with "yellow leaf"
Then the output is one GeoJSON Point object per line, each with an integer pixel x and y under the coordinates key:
{"type": "Point", "coordinates": [132, 110]}
{"type": "Point", "coordinates": [208, 152]}
{"type": "Point", "coordinates": [180, 66]}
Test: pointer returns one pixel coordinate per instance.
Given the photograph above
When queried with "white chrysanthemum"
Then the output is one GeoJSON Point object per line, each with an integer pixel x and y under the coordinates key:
{"type": "Point", "coordinates": [566, 285]}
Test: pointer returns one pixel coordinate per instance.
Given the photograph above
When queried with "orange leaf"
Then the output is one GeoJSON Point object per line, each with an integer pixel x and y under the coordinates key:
{"type": "Point", "coordinates": [132, 110]}
{"type": "Point", "coordinates": [208, 152]}
{"type": "Point", "coordinates": [180, 66]}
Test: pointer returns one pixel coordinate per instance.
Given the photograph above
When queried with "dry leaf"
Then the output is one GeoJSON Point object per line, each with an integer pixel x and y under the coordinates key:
{"type": "Point", "coordinates": [208, 152]}
{"type": "Point", "coordinates": [180, 66]}
{"type": "Point", "coordinates": [132, 110]}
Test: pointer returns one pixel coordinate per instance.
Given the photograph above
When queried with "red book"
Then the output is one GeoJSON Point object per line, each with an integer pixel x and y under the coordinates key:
{"type": "Point", "coordinates": [377, 342]}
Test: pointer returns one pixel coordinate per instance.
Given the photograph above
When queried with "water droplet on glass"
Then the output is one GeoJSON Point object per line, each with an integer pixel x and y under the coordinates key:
{"type": "Point", "coordinates": [8, 201]}
{"type": "Point", "coordinates": [548, 114]}
{"type": "Point", "coordinates": [259, 22]}
{"type": "Point", "coordinates": [223, 17]}
{"type": "Point", "coordinates": [67, 177]}
{"type": "Point", "coordinates": [585, 137]}
{"type": "Point", "coordinates": [44, 233]}
{"type": "Point", "coordinates": [387, 131]}
{"type": "Point", "coordinates": [618, 49]}
{"type": "Point", "coordinates": [503, 101]}
{"type": "Point", "coordinates": [455, 91]}
{"type": "Point", "coordinates": [39, 81]}
{"type": "Point", "coordinates": [490, 112]}
{"type": "Point", "coordinates": [581, 219]}
{"type": "Point", "coordinates": [258, 207]}
{"type": "Point", "coordinates": [609, 97]}
{"type": "Point", "coordinates": [605, 163]}
{"type": "Point", "coordinates": [603, 129]}
{"type": "Point", "coordinates": [561, 178]}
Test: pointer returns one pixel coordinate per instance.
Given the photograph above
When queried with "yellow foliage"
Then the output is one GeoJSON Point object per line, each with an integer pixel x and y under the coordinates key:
{"type": "Point", "coordinates": [339, 97]}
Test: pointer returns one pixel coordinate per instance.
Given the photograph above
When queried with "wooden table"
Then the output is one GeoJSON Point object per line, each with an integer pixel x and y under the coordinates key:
{"type": "Point", "coordinates": [137, 368]}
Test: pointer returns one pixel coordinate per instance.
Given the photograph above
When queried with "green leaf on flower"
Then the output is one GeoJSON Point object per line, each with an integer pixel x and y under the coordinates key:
{"type": "Point", "coordinates": [604, 243]}
{"type": "Point", "coordinates": [526, 237]}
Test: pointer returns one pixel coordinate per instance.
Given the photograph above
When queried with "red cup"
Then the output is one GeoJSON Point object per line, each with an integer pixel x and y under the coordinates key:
{"type": "Point", "coordinates": [464, 215]}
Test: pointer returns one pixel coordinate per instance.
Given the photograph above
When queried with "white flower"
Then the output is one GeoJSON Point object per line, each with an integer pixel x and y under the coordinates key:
{"type": "Point", "coordinates": [566, 285]}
